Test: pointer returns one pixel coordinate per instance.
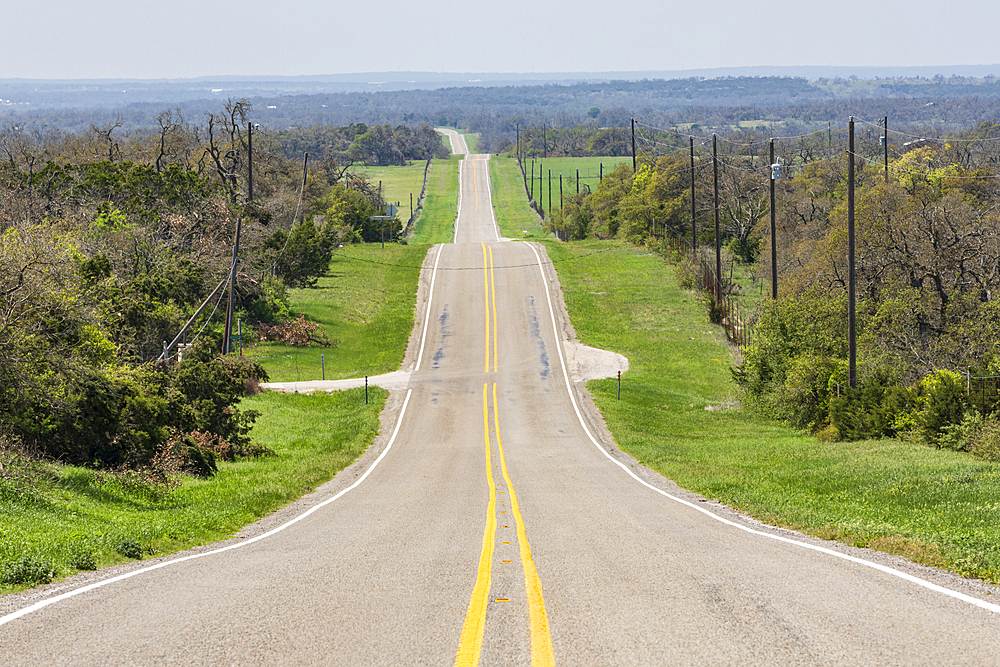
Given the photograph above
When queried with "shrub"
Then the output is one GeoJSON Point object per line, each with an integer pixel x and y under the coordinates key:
{"type": "Point", "coordinates": [128, 548]}
{"type": "Point", "coordinates": [83, 559]}
{"type": "Point", "coordinates": [27, 571]}
{"type": "Point", "coordinates": [861, 413]}
{"type": "Point", "coordinates": [985, 443]}
{"type": "Point", "coordinates": [942, 403]}
{"type": "Point", "coordinates": [962, 435]}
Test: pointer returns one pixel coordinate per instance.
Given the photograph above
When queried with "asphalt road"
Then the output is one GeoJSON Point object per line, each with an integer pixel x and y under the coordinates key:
{"type": "Point", "coordinates": [499, 526]}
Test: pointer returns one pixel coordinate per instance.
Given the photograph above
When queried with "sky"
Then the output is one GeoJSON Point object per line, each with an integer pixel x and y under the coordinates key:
{"type": "Point", "coordinates": [139, 39]}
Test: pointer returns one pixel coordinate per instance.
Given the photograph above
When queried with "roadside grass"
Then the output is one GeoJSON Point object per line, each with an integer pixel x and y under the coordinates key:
{"type": "Point", "coordinates": [516, 219]}
{"type": "Point", "coordinates": [437, 219]}
{"type": "Point", "coordinates": [472, 142]}
{"type": "Point", "coordinates": [398, 183]}
{"type": "Point", "coordinates": [364, 305]}
{"type": "Point", "coordinates": [81, 523]}
{"type": "Point", "coordinates": [936, 507]}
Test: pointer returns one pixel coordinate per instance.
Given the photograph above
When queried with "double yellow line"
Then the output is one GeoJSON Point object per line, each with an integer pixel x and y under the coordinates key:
{"type": "Point", "coordinates": [489, 285]}
{"type": "Point", "coordinates": [474, 628]}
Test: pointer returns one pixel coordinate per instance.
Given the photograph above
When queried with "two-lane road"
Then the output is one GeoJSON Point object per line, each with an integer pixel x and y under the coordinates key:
{"type": "Point", "coordinates": [498, 528]}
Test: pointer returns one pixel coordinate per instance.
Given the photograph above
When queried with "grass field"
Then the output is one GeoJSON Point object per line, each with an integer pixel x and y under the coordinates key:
{"type": "Point", "coordinates": [398, 183]}
{"type": "Point", "coordinates": [472, 142]}
{"type": "Point", "coordinates": [516, 219]}
{"type": "Point", "coordinates": [365, 306]}
{"type": "Point", "coordinates": [937, 507]}
{"type": "Point", "coordinates": [590, 174]}
{"type": "Point", "coordinates": [437, 220]}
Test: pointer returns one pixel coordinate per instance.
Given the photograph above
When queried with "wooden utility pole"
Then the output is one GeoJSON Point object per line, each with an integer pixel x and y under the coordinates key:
{"type": "Point", "coordinates": [694, 234]}
{"type": "Point", "coordinates": [718, 240]}
{"type": "Point", "coordinates": [774, 234]}
{"type": "Point", "coordinates": [633, 147]}
{"type": "Point", "coordinates": [851, 340]}
{"type": "Point", "coordinates": [885, 145]}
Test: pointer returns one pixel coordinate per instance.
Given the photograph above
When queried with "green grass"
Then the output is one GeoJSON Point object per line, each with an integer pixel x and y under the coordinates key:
{"type": "Point", "coordinates": [472, 142]}
{"type": "Point", "coordinates": [940, 508]}
{"type": "Point", "coordinates": [437, 220]}
{"type": "Point", "coordinates": [398, 183]}
{"type": "Point", "coordinates": [365, 305]}
{"type": "Point", "coordinates": [516, 219]}
{"type": "Point", "coordinates": [81, 522]}
{"type": "Point", "coordinates": [590, 173]}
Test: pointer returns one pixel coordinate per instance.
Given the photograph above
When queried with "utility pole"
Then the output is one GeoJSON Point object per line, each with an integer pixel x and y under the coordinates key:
{"type": "Point", "coordinates": [851, 341]}
{"type": "Point", "coordinates": [633, 147]}
{"type": "Point", "coordinates": [560, 194]}
{"type": "Point", "coordinates": [694, 235]}
{"type": "Point", "coordinates": [718, 241]}
{"type": "Point", "coordinates": [774, 233]}
{"type": "Point", "coordinates": [885, 145]}
{"type": "Point", "coordinates": [577, 181]}
{"type": "Point", "coordinates": [550, 190]}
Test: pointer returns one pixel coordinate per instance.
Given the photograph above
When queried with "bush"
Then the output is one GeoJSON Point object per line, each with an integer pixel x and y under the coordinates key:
{"type": "Point", "coordinates": [128, 548]}
{"type": "Point", "coordinates": [943, 403]}
{"type": "Point", "coordinates": [806, 399]}
{"type": "Point", "coordinates": [985, 443]}
{"type": "Point", "coordinates": [82, 559]}
{"type": "Point", "coordinates": [961, 436]}
{"type": "Point", "coordinates": [27, 571]}
{"type": "Point", "coordinates": [861, 413]}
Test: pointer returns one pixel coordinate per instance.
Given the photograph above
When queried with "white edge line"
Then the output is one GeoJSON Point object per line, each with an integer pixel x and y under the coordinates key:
{"type": "Point", "coordinates": [489, 187]}
{"type": "Point", "coordinates": [98, 584]}
{"type": "Point", "coordinates": [458, 209]}
{"type": "Point", "coordinates": [427, 315]}
{"type": "Point", "coordinates": [988, 606]}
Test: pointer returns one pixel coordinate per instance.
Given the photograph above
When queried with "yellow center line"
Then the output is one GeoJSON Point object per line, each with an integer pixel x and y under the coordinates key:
{"type": "Point", "coordinates": [486, 291]}
{"type": "Point", "coordinates": [542, 654]}
{"type": "Point", "coordinates": [493, 289]}
{"type": "Point", "coordinates": [470, 643]}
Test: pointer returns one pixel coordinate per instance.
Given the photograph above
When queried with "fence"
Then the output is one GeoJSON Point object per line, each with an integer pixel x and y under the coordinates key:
{"type": "Point", "coordinates": [415, 212]}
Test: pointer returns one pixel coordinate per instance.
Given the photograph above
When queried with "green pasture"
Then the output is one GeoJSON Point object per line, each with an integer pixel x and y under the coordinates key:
{"type": "Point", "coordinates": [364, 305]}
{"type": "Point", "coordinates": [398, 183]}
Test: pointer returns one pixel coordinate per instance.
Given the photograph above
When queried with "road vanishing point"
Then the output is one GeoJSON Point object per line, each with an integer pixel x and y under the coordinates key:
{"type": "Point", "coordinates": [494, 522]}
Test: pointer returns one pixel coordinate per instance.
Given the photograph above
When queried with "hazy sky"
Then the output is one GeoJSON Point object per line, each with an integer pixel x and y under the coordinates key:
{"type": "Point", "coordinates": [187, 38]}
